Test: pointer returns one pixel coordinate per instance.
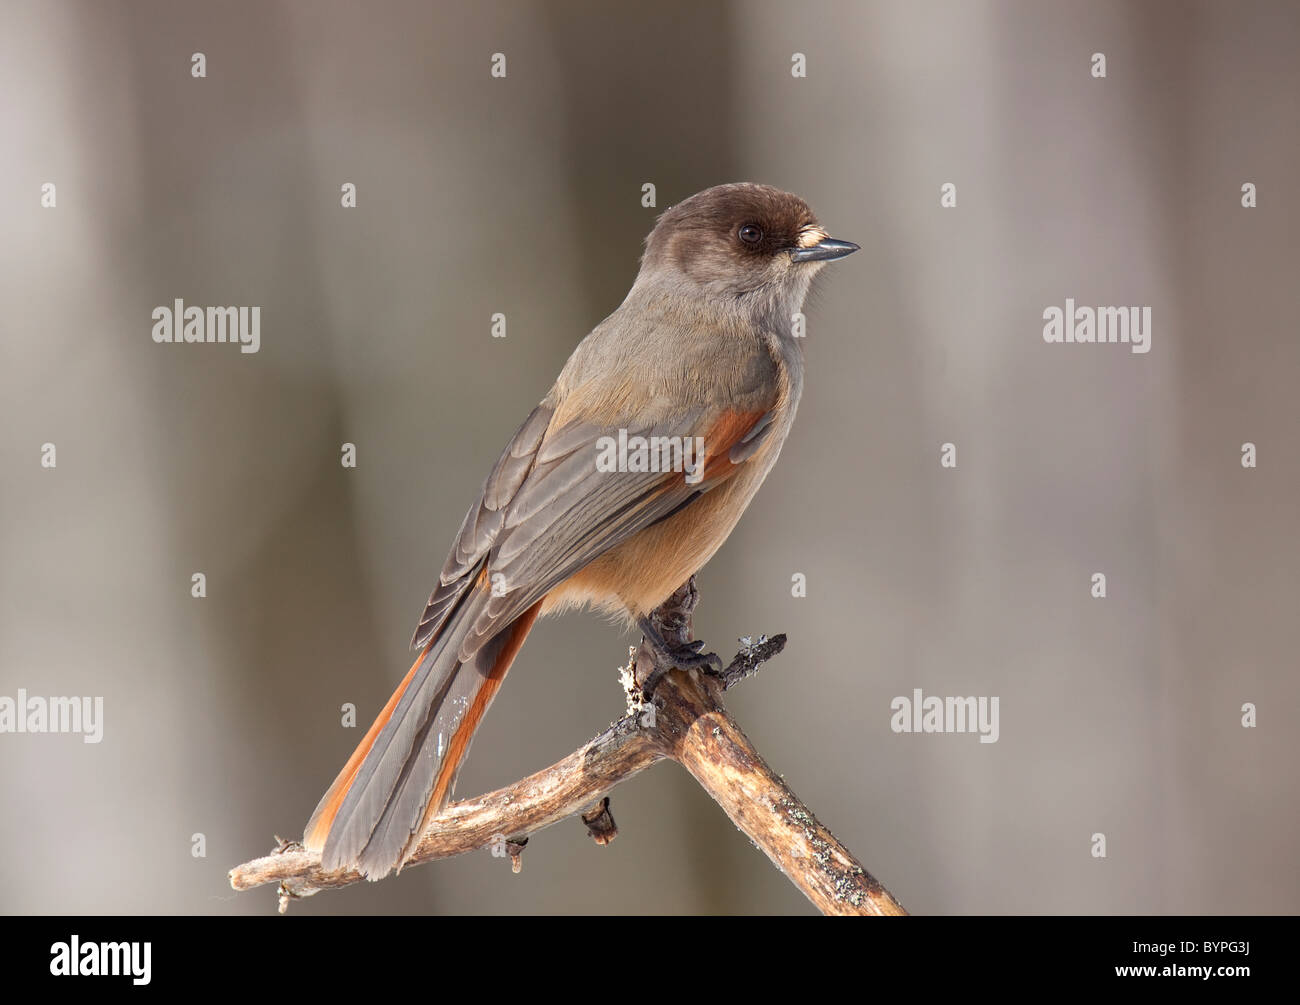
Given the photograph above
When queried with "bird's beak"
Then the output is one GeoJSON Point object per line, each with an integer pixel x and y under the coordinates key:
{"type": "Point", "coordinates": [826, 250]}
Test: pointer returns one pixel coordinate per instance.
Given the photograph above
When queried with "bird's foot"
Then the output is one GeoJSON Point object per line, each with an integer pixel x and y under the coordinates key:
{"type": "Point", "coordinates": [665, 655]}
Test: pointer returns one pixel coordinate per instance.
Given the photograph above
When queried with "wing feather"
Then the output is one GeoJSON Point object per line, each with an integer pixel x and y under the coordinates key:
{"type": "Point", "coordinates": [546, 510]}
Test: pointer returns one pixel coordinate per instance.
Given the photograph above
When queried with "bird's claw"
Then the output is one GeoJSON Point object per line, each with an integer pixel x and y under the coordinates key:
{"type": "Point", "coordinates": [687, 657]}
{"type": "Point", "coordinates": [669, 656]}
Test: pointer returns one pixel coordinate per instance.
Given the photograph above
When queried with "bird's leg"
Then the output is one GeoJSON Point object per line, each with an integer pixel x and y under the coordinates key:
{"type": "Point", "coordinates": [667, 638]}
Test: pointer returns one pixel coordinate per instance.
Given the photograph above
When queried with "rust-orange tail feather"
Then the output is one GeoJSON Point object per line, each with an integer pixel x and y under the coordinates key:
{"type": "Point", "coordinates": [404, 769]}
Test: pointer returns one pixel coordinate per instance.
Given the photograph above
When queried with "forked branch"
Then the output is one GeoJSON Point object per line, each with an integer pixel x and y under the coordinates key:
{"type": "Point", "coordinates": [682, 720]}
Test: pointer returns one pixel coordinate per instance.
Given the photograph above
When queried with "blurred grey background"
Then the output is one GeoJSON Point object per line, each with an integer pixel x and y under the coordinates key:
{"type": "Point", "coordinates": [523, 196]}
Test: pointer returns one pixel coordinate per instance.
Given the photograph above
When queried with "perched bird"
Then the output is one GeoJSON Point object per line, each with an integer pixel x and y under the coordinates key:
{"type": "Point", "coordinates": [700, 354]}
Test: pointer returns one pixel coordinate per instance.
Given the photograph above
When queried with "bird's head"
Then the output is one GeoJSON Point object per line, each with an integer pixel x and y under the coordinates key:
{"type": "Point", "coordinates": [743, 244]}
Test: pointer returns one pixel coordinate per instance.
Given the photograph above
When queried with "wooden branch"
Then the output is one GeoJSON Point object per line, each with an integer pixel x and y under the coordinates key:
{"type": "Point", "coordinates": [683, 720]}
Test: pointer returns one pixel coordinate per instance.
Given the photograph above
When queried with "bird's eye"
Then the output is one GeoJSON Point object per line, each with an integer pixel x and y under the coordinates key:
{"type": "Point", "coordinates": [751, 234]}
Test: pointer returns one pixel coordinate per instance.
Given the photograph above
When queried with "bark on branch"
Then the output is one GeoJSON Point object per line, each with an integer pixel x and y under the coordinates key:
{"type": "Point", "coordinates": [683, 720]}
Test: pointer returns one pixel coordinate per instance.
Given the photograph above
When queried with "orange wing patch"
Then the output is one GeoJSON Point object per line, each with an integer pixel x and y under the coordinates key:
{"type": "Point", "coordinates": [725, 433]}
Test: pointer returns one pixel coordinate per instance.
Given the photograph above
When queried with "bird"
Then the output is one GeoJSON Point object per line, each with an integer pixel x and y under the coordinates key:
{"type": "Point", "coordinates": [703, 351]}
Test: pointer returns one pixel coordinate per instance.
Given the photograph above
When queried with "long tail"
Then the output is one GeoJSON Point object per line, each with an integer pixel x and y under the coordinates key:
{"type": "Point", "coordinates": [403, 771]}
